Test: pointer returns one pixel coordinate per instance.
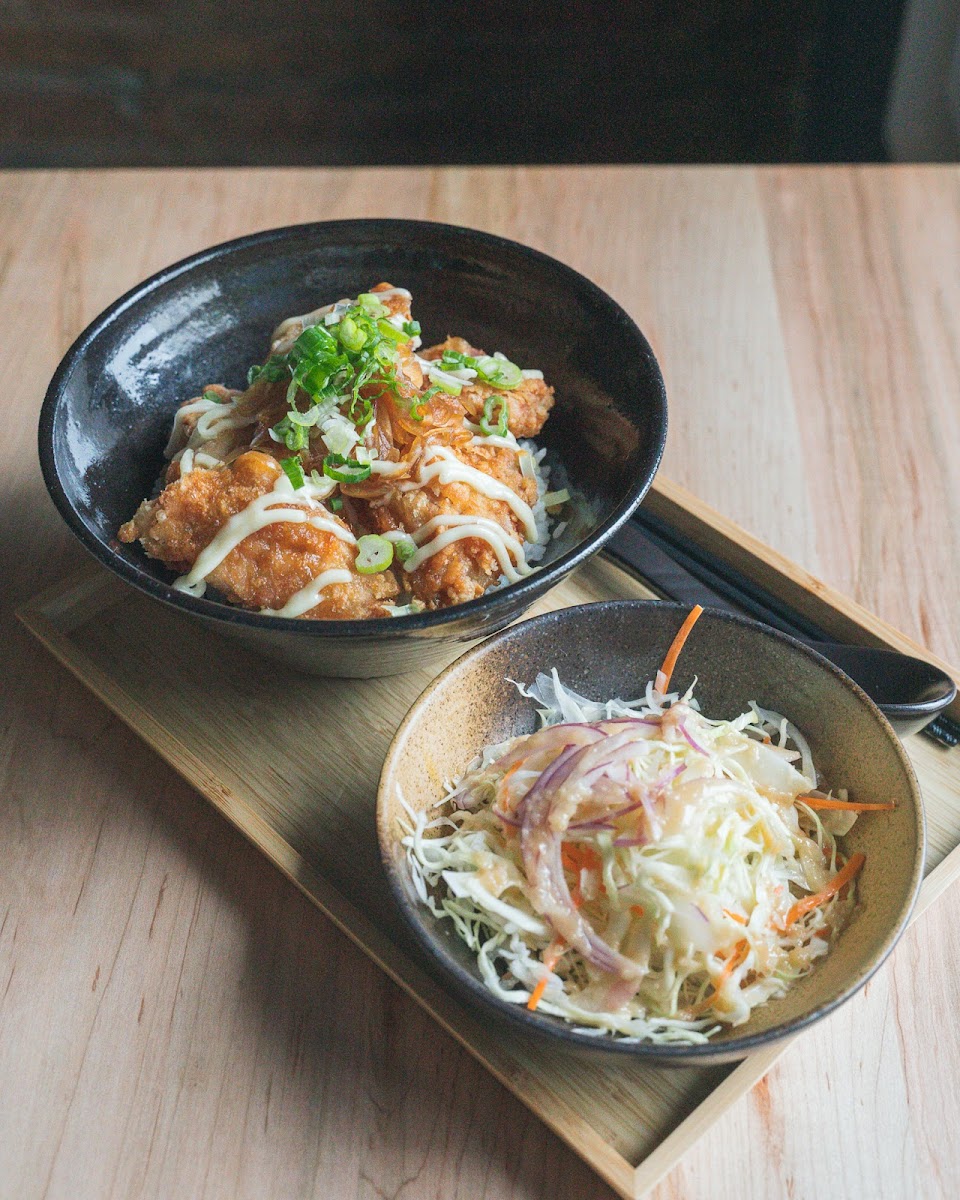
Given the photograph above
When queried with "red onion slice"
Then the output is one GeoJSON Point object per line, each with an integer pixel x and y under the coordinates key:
{"type": "Point", "coordinates": [540, 850]}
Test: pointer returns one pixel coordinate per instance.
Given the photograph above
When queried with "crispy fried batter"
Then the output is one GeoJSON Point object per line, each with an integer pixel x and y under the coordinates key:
{"type": "Point", "coordinates": [464, 569]}
{"type": "Point", "coordinates": [528, 404]}
{"type": "Point", "coordinates": [268, 566]}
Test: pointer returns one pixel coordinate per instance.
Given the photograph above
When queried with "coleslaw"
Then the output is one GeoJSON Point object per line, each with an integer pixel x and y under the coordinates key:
{"type": "Point", "coordinates": [637, 868]}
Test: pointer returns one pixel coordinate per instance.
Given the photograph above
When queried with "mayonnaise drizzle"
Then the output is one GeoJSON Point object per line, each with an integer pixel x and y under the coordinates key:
{"type": "Point", "coordinates": [214, 419]}
{"type": "Point", "coordinates": [309, 597]}
{"type": "Point", "coordinates": [189, 459]}
{"type": "Point", "coordinates": [268, 509]}
{"type": "Point", "coordinates": [464, 525]}
{"type": "Point", "coordinates": [446, 467]}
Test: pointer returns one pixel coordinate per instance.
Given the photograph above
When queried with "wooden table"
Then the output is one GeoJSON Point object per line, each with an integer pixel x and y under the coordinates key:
{"type": "Point", "coordinates": [175, 1019]}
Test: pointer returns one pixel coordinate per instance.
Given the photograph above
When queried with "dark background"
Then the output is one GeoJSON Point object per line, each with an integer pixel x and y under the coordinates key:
{"type": "Point", "coordinates": [334, 83]}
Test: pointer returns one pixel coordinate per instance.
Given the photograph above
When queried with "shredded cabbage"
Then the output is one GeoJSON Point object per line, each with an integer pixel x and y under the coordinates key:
{"type": "Point", "coordinates": [684, 848]}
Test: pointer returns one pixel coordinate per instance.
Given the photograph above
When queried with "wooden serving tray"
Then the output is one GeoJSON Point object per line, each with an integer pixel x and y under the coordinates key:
{"type": "Point", "coordinates": [308, 803]}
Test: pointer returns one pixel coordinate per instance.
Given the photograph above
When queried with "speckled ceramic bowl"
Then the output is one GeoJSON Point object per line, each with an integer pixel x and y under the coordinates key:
{"type": "Point", "coordinates": [606, 650]}
{"type": "Point", "coordinates": [108, 410]}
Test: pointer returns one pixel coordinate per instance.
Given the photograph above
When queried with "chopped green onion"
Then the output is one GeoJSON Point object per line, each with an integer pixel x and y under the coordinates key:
{"type": "Point", "coordinates": [406, 549]}
{"type": "Point", "coordinates": [293, 471]}
{"type": "Point", "coordinates": [214, 397]}
{"type": "Point", "coordinates": [374, 553]}
{"type": "Point", "coordinates": [372, 303]}
{"type": "Point", "coordinates": [411, 328]}
{"type": "Point", "coordinates": [554, 499]}
{"type": "Point", "coordinates": [391, 333]}
{"type": "Point", "coordinates": [499, 372]}
{"type": "Point", "coordinates": [306, 419]}
{"type": "Point", "coordinates": [418, 405]}
{"type": "Point", "coordinates": [453, 358]}
{"type": "Point", "coordinates": [332, 364]}
{"type": "Point", "coordinates": [294, 437]}
{"type": "Point", "coordinates": [345, 470]}
{"type": "Point", "coordinates": [313, 341]}
{"type": "Point", "coordinates": [336, 503]}
{"type": "Point", "coordinates": [502, 427]}
{"type": "Point", "coordinates": [453, 387]}
{"type": "Point", "coordinates": [351, 335]}
{"type": "Point", "coordinates": [274, 370]}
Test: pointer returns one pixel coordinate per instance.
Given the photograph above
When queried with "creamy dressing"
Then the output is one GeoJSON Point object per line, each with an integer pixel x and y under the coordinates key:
{"type": "Point", "coordinates": [506, 442]}
{"type": "Point", "coordinates": [309, 597]}
{"type": "Point", "coordinates": [381, 466]}
{"type": "Point", "coordinates": [268, 509]}
{"type": "Point", "coordinates": [213, 420]}
{"type": "Point", "coordinates": [447, 468]}
{"type": "Point", "coordinates": [502, 543]}
{"type": "Point", "coordinates": [189, 459]}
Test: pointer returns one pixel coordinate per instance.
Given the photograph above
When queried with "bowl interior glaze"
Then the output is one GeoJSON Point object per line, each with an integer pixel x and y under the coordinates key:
{"type": "Point", "coordinates": [612, 649]}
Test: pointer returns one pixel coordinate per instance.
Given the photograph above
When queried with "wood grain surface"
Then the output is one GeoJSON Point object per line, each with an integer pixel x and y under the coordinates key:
{"type": "Point", "coordinates": [175, 1019]}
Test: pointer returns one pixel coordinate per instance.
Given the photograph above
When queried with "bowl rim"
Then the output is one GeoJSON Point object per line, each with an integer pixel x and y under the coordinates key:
{"type": "Point", "coordinates": [733, 1047]}
{"type": "Point", "coordinates": [528, 588]}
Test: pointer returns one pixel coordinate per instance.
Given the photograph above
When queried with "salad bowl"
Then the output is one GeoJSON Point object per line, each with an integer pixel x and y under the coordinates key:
{"type": "Point", "coordinates": [611, 650]}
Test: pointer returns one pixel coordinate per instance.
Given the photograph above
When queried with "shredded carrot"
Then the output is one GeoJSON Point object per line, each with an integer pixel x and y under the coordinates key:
{"type": "Point", "coordinates": [552, 955]}
{"type": "Point", "coordinates": [734, 959]}
{"type": "Point", "coordinates": [509, 831]}
{"type": "Point", "coordinates": [845, 805]}
{"type": "Point", "coordinates": [576, 857]}
{"type": "Point", "coordinates": [663, 675]}
{"type": "Point", "coordinates": [845, 875]}
{"type": "Point", "coordinates": [537, 994]}
{"type": "Point", "coordinates": [740, 920]}
{"type": "Point", "coordinates": [637, 910]}
{"type": "Point", "coordinates": [509, 771]}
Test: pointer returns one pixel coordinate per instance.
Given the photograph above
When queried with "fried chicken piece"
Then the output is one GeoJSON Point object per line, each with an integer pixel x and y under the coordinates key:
{"type": "Point", "coordinates": [465, 568]}
{"type": "Point", "coordinates": [268, 566]}
{"type": "Point", "coordinates": [528, 404]}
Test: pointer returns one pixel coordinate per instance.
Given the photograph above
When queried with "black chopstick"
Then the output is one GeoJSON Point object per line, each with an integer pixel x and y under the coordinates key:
{"type": "Point", "coordinates": [727, 581]}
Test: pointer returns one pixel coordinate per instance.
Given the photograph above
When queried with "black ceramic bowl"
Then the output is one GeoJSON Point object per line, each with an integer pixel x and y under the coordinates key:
{"type": "Point", "coordinates": [108, 410]}
{"type": "Point", "coordinates": [612, 649]}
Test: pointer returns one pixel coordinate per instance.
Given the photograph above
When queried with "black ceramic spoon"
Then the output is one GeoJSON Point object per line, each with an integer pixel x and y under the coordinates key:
{"type": "Point", "coordinates": [908, 691]}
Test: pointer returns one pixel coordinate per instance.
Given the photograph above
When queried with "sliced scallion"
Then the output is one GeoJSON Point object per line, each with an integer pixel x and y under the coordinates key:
{"type": "Point", "coordinates": [446, 383]}
{"type": "Point", "coordinates": [372, 303]}
{"type": "Point", "coordinates": [555, 499]}
{"type": "Point", "coordinates": [294, 437]}
{"type": "Point", "coordinates": [502, 427]}
{"type": "Point", "coordinates": [352, 337]}
{"type": "Point", "coordinates": [293, 471]}
{"type": "Point", "coordinates": [345, 470]}
{"type": "Point", "coordinates": [391, 333]}
{"type": "Point", "coordinates": [306, 419]}
{"type": "Point", "coordinates": [499, 372]}
{"type": "Point", "coordinates": [374, 553]}
{"type": "Point", "coordinates": [406, 549]}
